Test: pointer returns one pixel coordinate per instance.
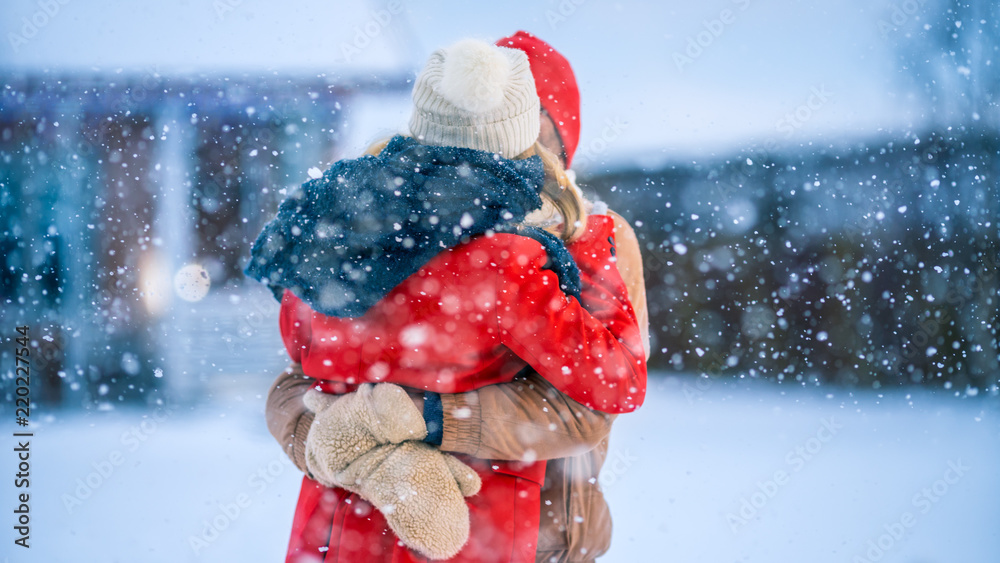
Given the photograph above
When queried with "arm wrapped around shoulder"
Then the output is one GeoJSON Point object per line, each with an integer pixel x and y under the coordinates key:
{"type": "Point", "coordinates": [595, 358]}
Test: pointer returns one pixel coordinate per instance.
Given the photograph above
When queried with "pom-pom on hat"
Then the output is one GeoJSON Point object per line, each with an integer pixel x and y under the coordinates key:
{"type": "Point", "coordinates": [477, 96]}
{"type": "Point", "coordinates": [556, 83]}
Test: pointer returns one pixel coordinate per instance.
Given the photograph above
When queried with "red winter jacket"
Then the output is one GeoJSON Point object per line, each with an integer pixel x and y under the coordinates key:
{"type": "Point", "coordinates": [480, 312]}
{"type": "Point", "coordinates": [474, 315]}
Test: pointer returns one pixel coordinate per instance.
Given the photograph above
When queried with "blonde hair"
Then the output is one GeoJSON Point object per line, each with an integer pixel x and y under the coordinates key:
{"type": "Point", "coordinates": [558, 193]}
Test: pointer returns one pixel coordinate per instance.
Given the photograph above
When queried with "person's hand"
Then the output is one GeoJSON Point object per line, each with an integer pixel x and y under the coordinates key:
{"type": "Point", "coordinates": [347, 426]}
{"type": "Point", "coordinates": [420, 490]}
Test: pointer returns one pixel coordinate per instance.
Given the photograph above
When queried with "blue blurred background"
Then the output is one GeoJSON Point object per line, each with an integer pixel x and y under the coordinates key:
{"type": "Point", "coordinates": [814, 185]}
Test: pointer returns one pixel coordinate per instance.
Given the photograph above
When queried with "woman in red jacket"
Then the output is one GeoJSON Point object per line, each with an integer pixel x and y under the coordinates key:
{"type": "Point", "coordinates": [409, 267]}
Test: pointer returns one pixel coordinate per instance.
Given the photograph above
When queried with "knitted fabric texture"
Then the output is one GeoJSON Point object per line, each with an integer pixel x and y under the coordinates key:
{"type": "Point", "coordinates": [497, 112]}
{"type": "Point", "coordinates": [344, 241]}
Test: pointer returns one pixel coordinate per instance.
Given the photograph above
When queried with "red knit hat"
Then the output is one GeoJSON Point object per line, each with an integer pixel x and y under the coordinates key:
{"type": "Point", "coordinates": [556, 86]}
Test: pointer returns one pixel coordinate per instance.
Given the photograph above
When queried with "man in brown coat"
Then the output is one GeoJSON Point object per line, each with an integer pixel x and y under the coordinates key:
{"type": "Point", "coordinates": [528, 418]}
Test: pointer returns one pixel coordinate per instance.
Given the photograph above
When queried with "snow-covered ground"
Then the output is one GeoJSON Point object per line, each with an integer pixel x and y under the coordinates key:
{"type": "Point", "coordinates": [852, 465]}
{"type": "Point", "coordinates": [816, 474]}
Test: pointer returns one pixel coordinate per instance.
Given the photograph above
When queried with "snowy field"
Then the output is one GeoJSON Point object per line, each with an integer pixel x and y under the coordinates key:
{"type": "Point", "coordinates": [716, 472]}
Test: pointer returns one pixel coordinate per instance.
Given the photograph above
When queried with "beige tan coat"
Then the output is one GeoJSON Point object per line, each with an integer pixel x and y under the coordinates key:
{"type": "Point", "coordinates": [524, 419]}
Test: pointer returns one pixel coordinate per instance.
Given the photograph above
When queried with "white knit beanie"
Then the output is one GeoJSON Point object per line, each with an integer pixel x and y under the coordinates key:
{"type": "Point", "coordinates": [478, 96]}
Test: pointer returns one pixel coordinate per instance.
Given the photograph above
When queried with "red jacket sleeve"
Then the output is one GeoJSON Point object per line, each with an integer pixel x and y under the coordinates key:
{"type": "Point", "coordinates": [601, 365]}
{"type": "Point", "coordinates": [604, 293]}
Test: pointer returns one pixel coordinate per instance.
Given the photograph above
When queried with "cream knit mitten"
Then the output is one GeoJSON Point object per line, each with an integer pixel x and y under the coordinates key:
{"type": "Point", "coordinates": [369, 442]}
{"type": "Point", "coordinates": [420, 490]}
{"type": "Point", "coordinates": [347, 426]}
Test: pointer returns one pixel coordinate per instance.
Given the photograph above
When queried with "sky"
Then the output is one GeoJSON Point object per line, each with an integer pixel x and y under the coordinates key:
{"type": "Point", "coordinates": [658, 79]}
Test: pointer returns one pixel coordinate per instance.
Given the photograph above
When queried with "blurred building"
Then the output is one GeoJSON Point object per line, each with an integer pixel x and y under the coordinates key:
{"type": "Point", "coordinates": [110, 184]}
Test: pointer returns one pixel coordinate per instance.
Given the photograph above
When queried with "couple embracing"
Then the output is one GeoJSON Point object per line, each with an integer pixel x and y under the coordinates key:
{"type": "Point", "coordinates": [463, 325]}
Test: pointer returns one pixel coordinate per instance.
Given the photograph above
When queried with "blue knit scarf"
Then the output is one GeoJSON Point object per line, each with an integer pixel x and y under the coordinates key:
{"type": "Point", "coordinates": [344, 241]}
